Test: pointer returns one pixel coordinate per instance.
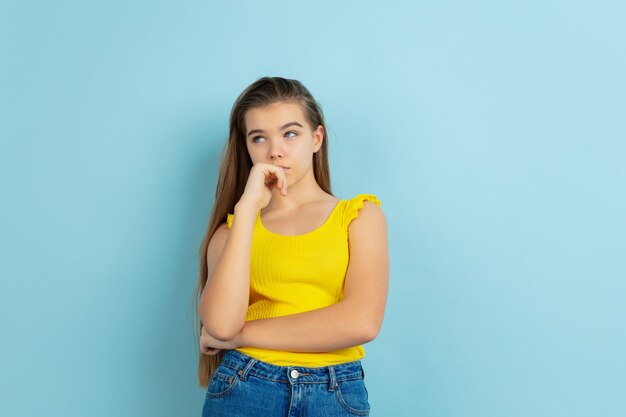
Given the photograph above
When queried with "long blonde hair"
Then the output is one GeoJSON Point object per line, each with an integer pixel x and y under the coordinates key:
{"type": "Point", "coordinates": [234, 170]}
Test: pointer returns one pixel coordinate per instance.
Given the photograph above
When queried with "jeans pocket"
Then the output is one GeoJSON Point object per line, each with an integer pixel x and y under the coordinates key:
{"type": "Point", "coordinates": [222, 382]}
{"type": "Point", "coordinates": [352, 396]}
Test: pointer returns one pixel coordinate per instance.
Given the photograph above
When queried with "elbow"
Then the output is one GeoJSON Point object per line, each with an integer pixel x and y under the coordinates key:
{"type": "Point", "coordinates": [371, 329]}
{"type": "Point", "coordinates": [223, 335]}
{"type": "Point", "coordinates": [220, 330]}
{"type": "Point", "coordinates": [370, 332]}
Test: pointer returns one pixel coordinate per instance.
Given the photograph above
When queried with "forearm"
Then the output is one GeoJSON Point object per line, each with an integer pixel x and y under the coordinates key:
{"type": "Point", "coordinates": [335, 327]}
{"type": "Point", "coordinates": [224, 300]}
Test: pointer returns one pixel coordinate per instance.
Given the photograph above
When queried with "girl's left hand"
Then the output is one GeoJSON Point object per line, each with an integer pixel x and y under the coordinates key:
{"type": "Point", "coordinates": [210, 345]}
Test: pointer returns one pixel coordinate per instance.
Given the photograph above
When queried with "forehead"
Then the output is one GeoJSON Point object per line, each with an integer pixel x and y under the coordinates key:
{"type": "Point", "coordinates": [274, 115]}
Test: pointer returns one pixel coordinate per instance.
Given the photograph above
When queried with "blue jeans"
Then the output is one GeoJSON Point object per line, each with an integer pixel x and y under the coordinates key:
{"type": "Point", "coordinates": [244, 386]}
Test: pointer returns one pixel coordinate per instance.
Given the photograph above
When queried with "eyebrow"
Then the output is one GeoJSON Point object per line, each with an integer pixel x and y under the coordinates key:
{"type": "Point", "coordinates": [285, 126]}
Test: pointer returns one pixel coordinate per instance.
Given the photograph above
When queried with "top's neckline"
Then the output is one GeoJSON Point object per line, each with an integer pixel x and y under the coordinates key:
{"type": "Point", "coordinates": [302, 234]}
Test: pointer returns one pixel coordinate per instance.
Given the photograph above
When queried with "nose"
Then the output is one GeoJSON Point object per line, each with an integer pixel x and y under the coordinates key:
{"type": "Point", "coordinates": [276, 149]}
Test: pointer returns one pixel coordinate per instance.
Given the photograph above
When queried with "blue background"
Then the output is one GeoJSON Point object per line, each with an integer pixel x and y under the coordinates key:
{"type": "Point", "coordinates": [492, 132]}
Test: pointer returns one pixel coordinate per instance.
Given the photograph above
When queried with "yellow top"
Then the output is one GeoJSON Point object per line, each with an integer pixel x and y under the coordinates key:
{"type": "Point", "coordinates": [298, 273]}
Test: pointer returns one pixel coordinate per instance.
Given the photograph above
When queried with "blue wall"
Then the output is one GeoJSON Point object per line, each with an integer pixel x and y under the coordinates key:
{"type": "Point", "coordinates": [493, 133]}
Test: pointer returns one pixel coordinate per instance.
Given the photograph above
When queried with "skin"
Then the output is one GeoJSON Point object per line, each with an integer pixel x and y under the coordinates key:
{"type": "Point", "coordinates": [296, 205]}
{"type": "Point", "coordinates": [292, 146]}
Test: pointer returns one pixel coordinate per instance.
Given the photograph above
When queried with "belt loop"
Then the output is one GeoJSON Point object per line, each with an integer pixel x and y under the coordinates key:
{"type": "Point", "coordinates": [243, 373]}
{"type": "Point", "coordinates": [362, 369]}
{"type": "Point", "coordinates": [333, 380]}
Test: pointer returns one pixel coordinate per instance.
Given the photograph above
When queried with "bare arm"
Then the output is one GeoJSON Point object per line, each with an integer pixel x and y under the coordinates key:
{"type": "Point", "coordinates": [335, 327]}
{"type": "Point", "coordinates": [356, 319]}
{"type": "Point", "coordinates": [224, 300]}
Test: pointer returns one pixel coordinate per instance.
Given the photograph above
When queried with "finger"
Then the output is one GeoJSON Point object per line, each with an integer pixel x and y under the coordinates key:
{"type": "Point", "coordinates": [281, 181]}
{"type": "Point", "coordinates": [284, 187]}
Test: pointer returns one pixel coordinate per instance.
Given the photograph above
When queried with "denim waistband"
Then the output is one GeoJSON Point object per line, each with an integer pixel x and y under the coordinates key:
{"type": "Point", "coordinates": [331, 374]}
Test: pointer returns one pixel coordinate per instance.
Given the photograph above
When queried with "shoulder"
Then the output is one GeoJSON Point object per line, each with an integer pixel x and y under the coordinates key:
{"type": "Point", "coordinates": [222, 230]}
{"type": "Point", "coordinates": [216, 243]}
{"type": "Point", "coordinates": [365, 210]}
{"type": "Point", "coordinates": [220, 235]}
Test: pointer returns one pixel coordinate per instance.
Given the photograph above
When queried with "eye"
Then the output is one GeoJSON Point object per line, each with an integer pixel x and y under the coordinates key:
{"type": "Point", "coordinates": [254, 139]}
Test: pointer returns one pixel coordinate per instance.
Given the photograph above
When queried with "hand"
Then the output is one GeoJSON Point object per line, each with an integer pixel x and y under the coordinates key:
{"type": "Point", "coordinates": [211, 346]}
{"type": "Point", "coordinates": [263, 178]}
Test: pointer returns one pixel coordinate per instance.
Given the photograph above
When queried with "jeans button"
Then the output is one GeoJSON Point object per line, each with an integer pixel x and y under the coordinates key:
{"type": "Point", "coordinates": [295, 373]}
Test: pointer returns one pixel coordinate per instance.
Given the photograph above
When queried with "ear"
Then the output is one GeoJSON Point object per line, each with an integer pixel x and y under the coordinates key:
{"type": "Point", "coordinates": [318, 138]}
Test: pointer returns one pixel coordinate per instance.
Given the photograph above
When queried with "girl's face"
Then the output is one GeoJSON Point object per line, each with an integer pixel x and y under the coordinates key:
{"type": "Point", "coordinates": [279, 134]}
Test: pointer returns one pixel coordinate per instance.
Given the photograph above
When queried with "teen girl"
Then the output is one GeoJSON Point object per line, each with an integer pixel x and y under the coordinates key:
{"type": "Point", "coordinates": [293, 281]}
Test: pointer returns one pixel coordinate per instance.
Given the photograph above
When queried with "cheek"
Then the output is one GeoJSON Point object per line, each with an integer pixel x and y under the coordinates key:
{"type": "Point", "coordinates": [255, 155]}
{"type": "Point", "coordinates": [304, 149]}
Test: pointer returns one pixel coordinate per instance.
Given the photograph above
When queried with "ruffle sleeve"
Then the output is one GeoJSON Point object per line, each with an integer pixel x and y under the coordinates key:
{"type": "Point", "coordinates": [355, 204]}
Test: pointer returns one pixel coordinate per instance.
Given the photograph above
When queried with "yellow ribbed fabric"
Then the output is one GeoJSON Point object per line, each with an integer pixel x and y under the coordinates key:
{"type": "Point", "coordinates": [294, 274]}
